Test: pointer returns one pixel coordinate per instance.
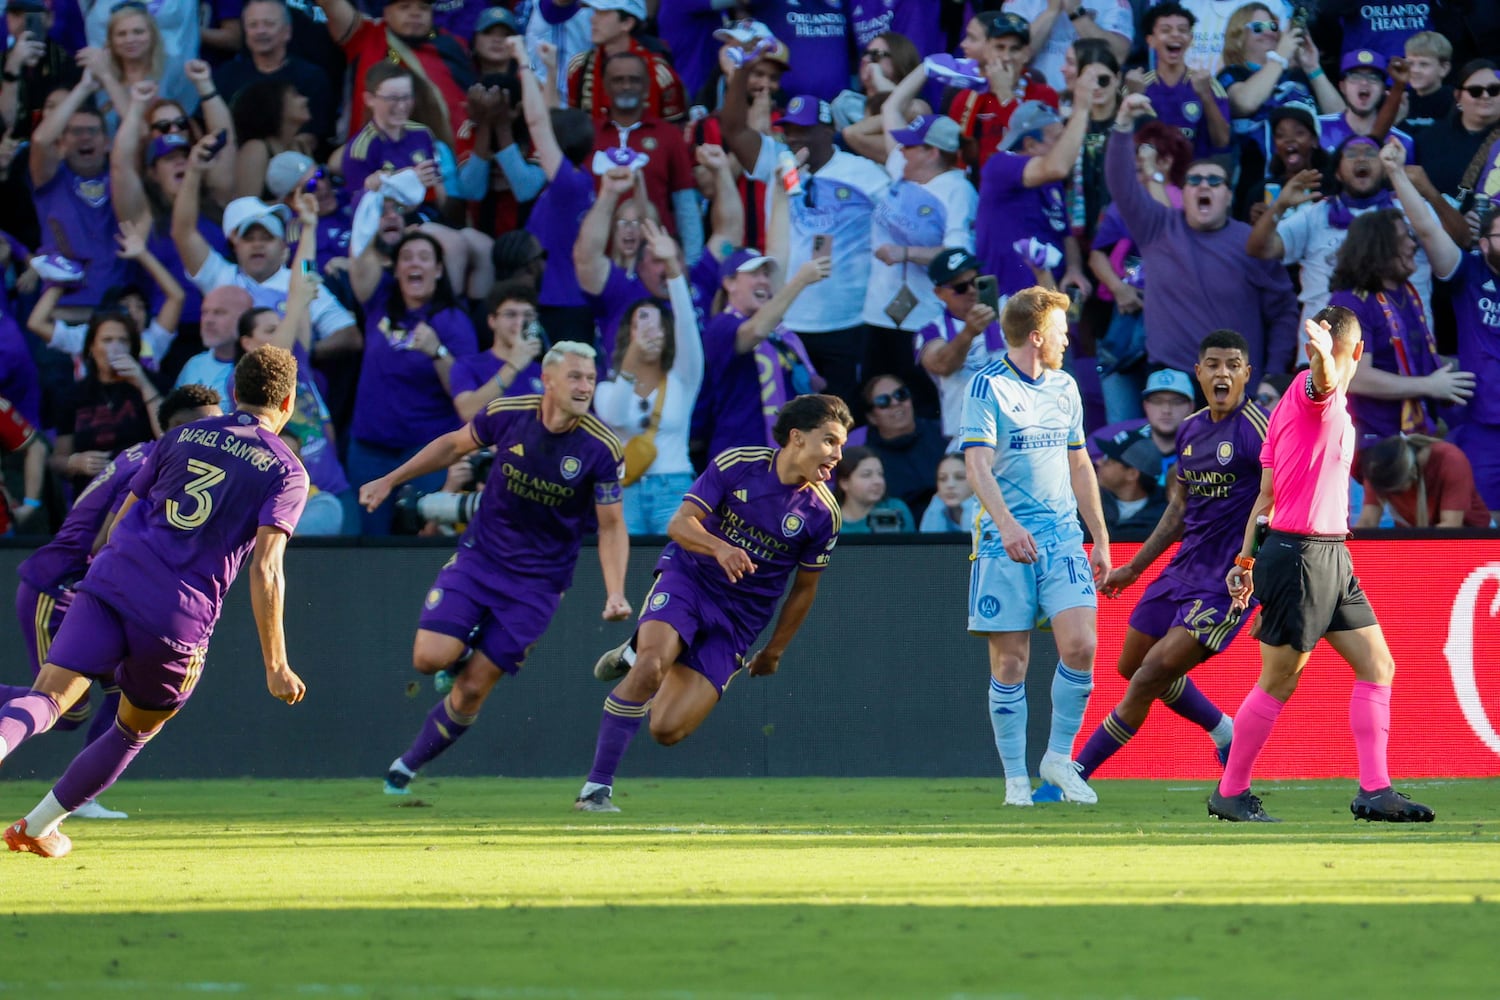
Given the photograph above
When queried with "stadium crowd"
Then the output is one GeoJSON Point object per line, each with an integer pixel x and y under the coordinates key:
{"type": "Point", "coordinates": [738, 203]}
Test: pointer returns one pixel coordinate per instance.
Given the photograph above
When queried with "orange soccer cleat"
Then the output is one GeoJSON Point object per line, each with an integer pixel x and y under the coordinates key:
{"type": "Point", "coordinates": [54, 845]}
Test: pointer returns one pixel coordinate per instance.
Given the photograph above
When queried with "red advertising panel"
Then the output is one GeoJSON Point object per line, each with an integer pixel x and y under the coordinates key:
{"type": "Point", "coordinates": [1439, 605]}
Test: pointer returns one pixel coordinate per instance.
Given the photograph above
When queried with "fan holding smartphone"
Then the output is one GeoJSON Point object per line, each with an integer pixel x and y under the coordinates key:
{"type": "Point", "coordinates": [966, 337]}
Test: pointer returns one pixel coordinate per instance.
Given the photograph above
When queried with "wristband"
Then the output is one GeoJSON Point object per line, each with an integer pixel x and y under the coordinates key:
{"type": "Point", "coordinates": [1245, 562]}
{"type": "Point", "coordinates": [1317, 71]}
{"type": "Point", "coordinates": [205, 98]}
{"type": "Point", "coordinates": [32, 502]}
{"type": "Point", "coordinates": [1080, 12]}
{"type": "Point", "coordinates": [10, 77]}
{"type": "Point", "coordinates": [1277, 58]}
{"type": "Point", "coordinates": [441, 353]}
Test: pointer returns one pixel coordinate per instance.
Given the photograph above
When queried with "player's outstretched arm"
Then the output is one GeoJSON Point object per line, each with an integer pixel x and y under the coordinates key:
{"type": "Point", "coordinates": [799, 601]}
{"type": "Point", "coordinates": [267, 599]}
{"type": "Point", "coordinates": [614, 555]}
{"type": "Point", "coordinates": [1167, 531]}
{"type": "Point", "coordinates": [439, 453]}
{"type": "Point", "coordinates": [686, 529]}
{"type": "Point", "coordinates": [1091, 509]}
{"type": "Point", "coordinates": [1239, 580]}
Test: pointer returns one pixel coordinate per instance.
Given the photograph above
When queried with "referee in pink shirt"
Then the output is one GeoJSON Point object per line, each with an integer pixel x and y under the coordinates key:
{"type": "Point", "coordinates": [1306, 583]}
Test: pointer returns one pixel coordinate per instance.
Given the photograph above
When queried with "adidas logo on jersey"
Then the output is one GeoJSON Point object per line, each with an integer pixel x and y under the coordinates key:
{"type": "Point", "coordinates": [742, 496]}
{"type": "Point", "coordinates": [518, 450]}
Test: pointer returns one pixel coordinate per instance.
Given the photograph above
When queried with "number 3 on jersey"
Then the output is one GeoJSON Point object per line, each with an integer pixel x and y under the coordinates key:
{"type": "Point", "coordinates": [209, 476]}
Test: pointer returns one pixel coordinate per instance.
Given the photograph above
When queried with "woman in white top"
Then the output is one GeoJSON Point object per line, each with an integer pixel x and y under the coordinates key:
{"type": "Point", "coordinates": [656, 352]}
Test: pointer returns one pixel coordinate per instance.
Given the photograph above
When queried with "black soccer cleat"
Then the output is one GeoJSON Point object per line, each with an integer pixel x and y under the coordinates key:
{"type": "Point", "coordinates": [1241, 808]}
{"type": "Point", "coordinates": [1386, 805]}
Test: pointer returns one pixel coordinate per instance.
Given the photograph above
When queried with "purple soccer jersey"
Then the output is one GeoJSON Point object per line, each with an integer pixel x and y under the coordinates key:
{"type": "Point", "coordinates": [78, 221]}
{"type": "Point", "coordinates": [372, 151]}
{"type": "Point", "coordinates": [1181, 106]}
{"type": "Point", "coordinates": [555, 220]}
{"type": "Point", "coordinates": [539, 500]}
{"type": "Point", "coordinates": [1218, 463]}
{"type": "Point", "coordinates": [468, 374]}
{"type": "Point", "coordinates": [204, 493]}
{"type": "Point", "coordinates": [61, 563]}
{"type": "Point", "coordinates": [1011, 211]}
{"type": "Point", "coordinates": [782, 528]}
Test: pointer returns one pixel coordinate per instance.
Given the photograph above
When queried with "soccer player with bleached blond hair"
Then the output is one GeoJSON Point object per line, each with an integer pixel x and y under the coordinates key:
{"type": "Point", "coordinates": [556, 478]}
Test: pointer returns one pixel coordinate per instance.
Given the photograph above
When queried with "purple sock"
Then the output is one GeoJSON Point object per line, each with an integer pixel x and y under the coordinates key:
{"type": "Point", "coordinates": [31, 714]}
{"type": "Point", "coordinates": [1111, 735]}
{"type": "Point", "coordinates": [617, 727]}
{"type": "Point", "coordinates": [98, 766]}
{"type": "Point", "coordinates": [440, 731]}
{"type": "Point", "coordinates": [1184, 698]}
{"type": "Point", "coordinates": [105, 717]}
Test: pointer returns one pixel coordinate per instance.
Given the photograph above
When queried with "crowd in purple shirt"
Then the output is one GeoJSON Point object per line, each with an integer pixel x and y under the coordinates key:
{"type": "Point", "coordinates": [470, 180]}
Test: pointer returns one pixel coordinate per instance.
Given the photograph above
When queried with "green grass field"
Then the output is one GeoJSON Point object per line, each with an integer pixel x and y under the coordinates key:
{"type": "Point", "coordinates": [750, 888]}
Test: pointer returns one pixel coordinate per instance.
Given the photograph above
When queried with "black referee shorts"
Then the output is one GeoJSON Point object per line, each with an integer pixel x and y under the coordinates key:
{"type": "Point", "coordinates": [1307, 588]}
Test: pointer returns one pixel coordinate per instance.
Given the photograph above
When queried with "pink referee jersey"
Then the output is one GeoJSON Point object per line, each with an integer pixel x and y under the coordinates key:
{"type": "Point", "coordinates": [1309, 448]}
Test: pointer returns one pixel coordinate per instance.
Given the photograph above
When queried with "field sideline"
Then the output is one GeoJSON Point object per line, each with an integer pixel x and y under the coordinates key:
{"type": "Point", "coordinates": [493, 888]}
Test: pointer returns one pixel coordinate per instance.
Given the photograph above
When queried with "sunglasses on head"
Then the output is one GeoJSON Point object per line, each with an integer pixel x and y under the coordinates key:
{"type": "Point", "coordinates": [960, 287]}
{"type": "Point", "coordinates": [1208, 180]}
{"type": "Point", "coordinates": [1482, 89]}
{"type": "Point", "coordinates": [1260, 27]}
{"type": "Point", "coordinates": [171, 125]}
{"type": "Point", "coordinates": [888, 399]}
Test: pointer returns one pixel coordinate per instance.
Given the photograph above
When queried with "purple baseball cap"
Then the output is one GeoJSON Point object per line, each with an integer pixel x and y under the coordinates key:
{"type": "Point", "coordinates": [742, 261]}
{"type": "Point", "coordinates": [805, 109]}
{"type": "Point", "coordinates": [165, 144]}
{"type": "Point", "coordinates": [937, 131]}
{"type": "Point", "coordinates": [1363, 59]}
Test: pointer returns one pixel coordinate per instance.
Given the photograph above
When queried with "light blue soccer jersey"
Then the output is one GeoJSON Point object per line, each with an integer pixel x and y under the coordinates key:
{"type": "Point", "coordinates": [1032, 424]}
{"type": "Point", "coordinates": [837, 203]}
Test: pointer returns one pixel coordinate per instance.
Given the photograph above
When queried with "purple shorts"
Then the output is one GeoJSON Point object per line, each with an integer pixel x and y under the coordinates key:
{"type": "Point", "coordinates": [503, 625]}
{"type": "Point", "coordinates": [97, 642]}
{"type": "Point", "coordinates": [1171, 603]}
{"type": "Point", "coordinates": [712, 644]}
{"type": "Point", "coordinates": [41, 615]}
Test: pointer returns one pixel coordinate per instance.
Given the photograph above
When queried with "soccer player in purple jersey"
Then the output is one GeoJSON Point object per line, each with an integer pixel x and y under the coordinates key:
{"type": "Point", "coordinates": [210, 493]}
{"type": "Point", "coordinates": [556, 478]}
{"type": "Point", "coordinates": [1185, 617]}
{"type": "Point", "coordinates": [1306, 582]}
{"type": "Point", "coordinates": [756, 517]}
{"type": "Point", "coordinates": [49, 574]}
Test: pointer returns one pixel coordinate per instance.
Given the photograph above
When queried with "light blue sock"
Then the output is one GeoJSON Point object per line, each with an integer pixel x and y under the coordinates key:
{"type": "Point", "coordinates": [1008, 718]}
{"type": "Point", "coordinates": [1070, 696]}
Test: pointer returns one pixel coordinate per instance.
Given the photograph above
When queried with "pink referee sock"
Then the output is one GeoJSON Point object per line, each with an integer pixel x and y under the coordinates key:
{"type": "Point", "coordinates": [1252, 727]}
{"type": "Point", "coordinates": [1370, 718]}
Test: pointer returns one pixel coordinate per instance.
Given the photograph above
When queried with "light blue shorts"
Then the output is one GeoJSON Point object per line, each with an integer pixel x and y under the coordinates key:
{"type": "Point", "coordinates": [1007, 596]}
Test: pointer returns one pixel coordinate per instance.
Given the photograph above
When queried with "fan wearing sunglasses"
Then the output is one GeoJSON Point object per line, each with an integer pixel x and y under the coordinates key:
{"type": "Point", "coordinates": [1447, 148]}
{"type": "Point", "coordinates": [1216, 283]}
{"type": "Point", "coordinates": [908, 446]}
{"type": "Point", "coordinates": [1266, 68]}
{"type": "Point", "coordinates": [961, 341]}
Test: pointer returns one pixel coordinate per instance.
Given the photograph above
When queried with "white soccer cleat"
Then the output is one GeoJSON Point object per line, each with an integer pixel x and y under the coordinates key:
{"type": "Point", "coordinates": [1018, 791]}
{"type": "Point", "coordinates": [93, 809]}
{"type": "Point", "coordinates": [1063, 773]}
